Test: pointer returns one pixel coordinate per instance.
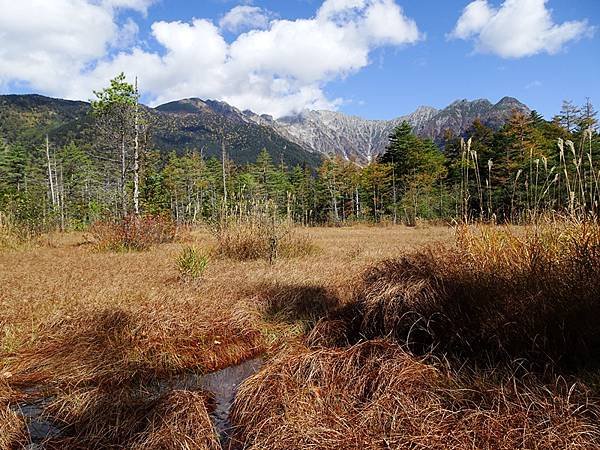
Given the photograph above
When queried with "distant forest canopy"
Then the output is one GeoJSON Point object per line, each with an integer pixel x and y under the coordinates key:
{"type": "Point", "coordinates": [527, 168]}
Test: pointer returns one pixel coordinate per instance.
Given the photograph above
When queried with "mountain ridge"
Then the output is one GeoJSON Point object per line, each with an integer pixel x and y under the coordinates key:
{"type": "Point", "coordinates": [303, 138]}
{"type": "Point", "coordinates": [352, 137]}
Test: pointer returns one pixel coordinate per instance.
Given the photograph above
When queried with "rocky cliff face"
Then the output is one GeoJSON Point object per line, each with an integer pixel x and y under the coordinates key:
{"type": "Point", "coordinates": [460, 115]}
{"type": "Point", "coordinates": [334, 133]}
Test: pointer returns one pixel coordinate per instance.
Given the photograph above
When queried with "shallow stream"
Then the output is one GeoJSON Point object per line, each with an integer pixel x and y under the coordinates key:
{"type": "Point", "coordinates": [223, 384]}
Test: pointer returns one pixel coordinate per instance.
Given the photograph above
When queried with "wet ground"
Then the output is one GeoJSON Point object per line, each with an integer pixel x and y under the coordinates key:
{"type": "Point", "coordinates": [223, 384]}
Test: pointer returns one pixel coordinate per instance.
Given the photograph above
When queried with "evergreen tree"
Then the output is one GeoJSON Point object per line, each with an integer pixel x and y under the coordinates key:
{"type": "Point", "coordinates": [569, 115]}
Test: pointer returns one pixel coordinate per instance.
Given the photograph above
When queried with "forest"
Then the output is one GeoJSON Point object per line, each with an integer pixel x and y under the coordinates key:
{"type": "Point", "coordinates": [527, 168]}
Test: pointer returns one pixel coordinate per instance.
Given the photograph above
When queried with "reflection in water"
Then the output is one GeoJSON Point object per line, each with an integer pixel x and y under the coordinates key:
{"type": "Point", "coordinates": [223, 385]}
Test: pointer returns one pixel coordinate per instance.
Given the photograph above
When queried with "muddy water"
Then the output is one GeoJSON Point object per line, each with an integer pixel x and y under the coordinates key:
{"type": "Point", "coordinates": [38, 427]}
{"type": "Point", "coordinates": [223, 384]}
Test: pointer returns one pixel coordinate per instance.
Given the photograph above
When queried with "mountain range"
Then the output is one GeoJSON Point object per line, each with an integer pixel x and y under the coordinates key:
{"type": "Point", "coordinates": [201, 125]}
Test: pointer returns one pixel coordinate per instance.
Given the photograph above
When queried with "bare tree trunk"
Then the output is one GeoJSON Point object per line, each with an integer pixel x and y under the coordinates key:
{"type": "Point", "coordinates": [50, 176]}
{"type": "Point", "coordinates": [136, 155]}
{"type": "Point", "coordinates": [123, 176]}
{"type": "Point", "coordinates": [62, 200]}
{"type": "Point", "coordinates": [224, 159]}
{"type": "Point", "coordinates": [357, 204]}
{"type": "Point", "coordinates": [394, 192]}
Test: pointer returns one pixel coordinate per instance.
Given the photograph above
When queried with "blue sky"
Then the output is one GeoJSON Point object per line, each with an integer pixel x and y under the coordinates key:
{"type": "Point", "coordinates": [373, 58]}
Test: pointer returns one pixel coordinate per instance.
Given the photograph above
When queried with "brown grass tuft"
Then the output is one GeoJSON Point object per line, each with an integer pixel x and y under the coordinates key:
{"type": "Point", "coordinates": [180, 420]}
{"type": "Point", "coordinates": [13, 431]}
{"type": "Point", "coordinates": [374, 395]}
{"type": "Point", "coordinates": [116, 346]}
{"type": "Point", "coordinates": [256, 239]}
{"type": "Point", "coordinates": [133, 233]}
{"type": "Point", "coordinates": [498, 295]}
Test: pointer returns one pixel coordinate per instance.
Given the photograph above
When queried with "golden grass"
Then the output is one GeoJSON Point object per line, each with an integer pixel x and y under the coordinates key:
{"type": "Point", "coordinates": [12, 426]}
{"type": "Point", "coordinates": [495, 294]}
{"type": "Point", "coordinates": [134, 419]}
{"type": "Point", "coordinates": [459, 345]}
{"type": "Point", "coordinates": [256, 239]}
{"type": "Point", "coordinates": [180, 420]}
{"type": "Point", "coordinates": [487, 343]}
{"type": "Point", "coordinates": [374, 395]}
{"type": "Point", "coordinates": [96, 329]}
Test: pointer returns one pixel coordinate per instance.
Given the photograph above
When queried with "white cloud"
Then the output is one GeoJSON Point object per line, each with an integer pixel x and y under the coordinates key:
{"type": "Point", "coordinates": [245, 17]}
{"type": "Point", "coordinates": [474, 18]}
{"type": "Point", "coordinates": [139, 5]}
{"type": "Point", "coordinates": [534, 84]}
{"type": "Point", "coordinates": [127, 34]}
{"type": "Point", "coordinates": [331, 8]}
{"type": "Point", "coordinates": [275, 68]}
{"type": "Point", "coordinates": [49, 47]}
{"type": "Point", "coordinates": [516, 29]}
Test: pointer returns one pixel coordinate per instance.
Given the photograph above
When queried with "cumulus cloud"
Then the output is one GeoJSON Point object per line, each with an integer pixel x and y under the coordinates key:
{"type": "Point", "coordinates": [279, 67]}
{"type": "Point", "coordinates": [49, 47]}
{"type": "Point", "coordinates": [245, 17]}
{"type": "Point", "coordinates": [127, 34]}
{"type": "Point", "coordinates": [516, 29]}
{"type": "Point", "coordinates": [139, 5]}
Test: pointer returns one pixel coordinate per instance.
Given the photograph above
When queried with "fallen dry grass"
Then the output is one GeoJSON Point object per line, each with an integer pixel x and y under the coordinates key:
{"type": "Point", "coordinates": [96, 330]}
{"type": "Point", "coordinates": [12, 426]}
{"type": "Point", "coordinates": [375, 395]}
{"type": "Point", "coordinates": [487, 343]}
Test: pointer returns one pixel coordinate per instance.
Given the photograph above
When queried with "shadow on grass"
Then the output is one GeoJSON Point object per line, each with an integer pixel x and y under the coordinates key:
{"type": "Point", "coordinates": [290, 303]}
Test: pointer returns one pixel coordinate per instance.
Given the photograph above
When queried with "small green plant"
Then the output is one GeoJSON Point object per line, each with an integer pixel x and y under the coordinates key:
{"type": "Point", "coordinates": [192, 263]}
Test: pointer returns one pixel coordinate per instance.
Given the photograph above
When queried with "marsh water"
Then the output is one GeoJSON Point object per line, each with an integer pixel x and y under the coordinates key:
{"type": "Point", "coordinates": [223, 385]}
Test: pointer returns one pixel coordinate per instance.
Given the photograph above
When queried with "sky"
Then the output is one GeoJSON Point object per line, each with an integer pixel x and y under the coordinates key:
{"type": "Point", "coordinates": [378, 59]}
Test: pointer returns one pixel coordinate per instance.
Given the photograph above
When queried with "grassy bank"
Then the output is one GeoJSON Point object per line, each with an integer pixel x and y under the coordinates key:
{"type": "Point", "coordinates": [477, 337]}
{"type": "Point", "coordinates": [489, 342]}
{"type": "Point", "coordinates": [96, 330]}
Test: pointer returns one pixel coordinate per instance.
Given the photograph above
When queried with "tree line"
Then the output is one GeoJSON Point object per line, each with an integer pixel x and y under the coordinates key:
{"type": "Point", "coordinates": [527, 168]}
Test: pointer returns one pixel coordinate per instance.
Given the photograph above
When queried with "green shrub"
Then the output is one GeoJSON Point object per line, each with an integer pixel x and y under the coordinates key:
{"type": "Point", "coordinates": [191, 263]}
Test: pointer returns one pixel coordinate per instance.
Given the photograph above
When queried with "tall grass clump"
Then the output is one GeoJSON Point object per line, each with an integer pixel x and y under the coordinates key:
{"type": "Point", "coordinates": [374, 395]}
{"type": "Point", "coordinates": [13, 432]}
{"type": "Point", "coordinates": [499, 294]}
{"type": "Point", "coordinates": [191, 263]}
{"type": "Point", "coordinates": [108, 372]}
{"type": "Point", "coordinates": [257, 237]}
{"type": "Point", "coordinates": [133, 233]}
{"type": "Point", "coordinates": [179, 420]}
{"type": "Point", "coordinates": [11, 237]}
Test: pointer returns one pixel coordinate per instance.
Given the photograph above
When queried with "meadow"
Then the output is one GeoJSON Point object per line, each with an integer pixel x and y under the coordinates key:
{"type": "Point", "coordinates": [372, 337]}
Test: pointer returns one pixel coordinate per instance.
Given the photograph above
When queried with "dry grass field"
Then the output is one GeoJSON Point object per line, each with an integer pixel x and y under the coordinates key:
{"type": "Point", "coordinates": [92, 329]}
{"type": "Point", "coordinates": [373, 338]}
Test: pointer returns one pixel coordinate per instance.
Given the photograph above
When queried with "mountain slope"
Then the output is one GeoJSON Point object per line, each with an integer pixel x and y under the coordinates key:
{"type": "Point", "coordinates": [460, 115]}
{"type": "Point", "coordinates": [334, 133]}
{"type": "Point", "coordinates": [27, 118]}
{"type": "Point", "coordinates": [201, 125]}
{"type": "Point", "coordinates": [352, 137]}
{"type": "Point", "coordinates": [178, 126]}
